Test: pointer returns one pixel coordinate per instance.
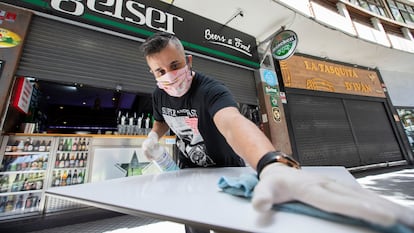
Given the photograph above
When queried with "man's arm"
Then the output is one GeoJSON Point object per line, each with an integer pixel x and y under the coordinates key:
{"type": "Point", "coordinates": [279, 183]}
{"type": "Point", "coordinates": [243, 136]}
{"type": "Point", "coordinates": [160, 128]}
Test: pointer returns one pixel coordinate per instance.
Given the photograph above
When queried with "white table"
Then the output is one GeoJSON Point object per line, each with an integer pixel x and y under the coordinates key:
{"type": "Point", "coordinates": [191, 196]}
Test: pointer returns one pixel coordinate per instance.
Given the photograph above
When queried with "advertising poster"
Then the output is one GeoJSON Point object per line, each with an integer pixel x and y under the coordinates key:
{"type": "Point", "coordinates": [111, 163]}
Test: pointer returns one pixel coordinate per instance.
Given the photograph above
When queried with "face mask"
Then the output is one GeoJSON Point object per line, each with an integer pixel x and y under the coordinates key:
{"type": "Point", "coordinates": [176, 83]}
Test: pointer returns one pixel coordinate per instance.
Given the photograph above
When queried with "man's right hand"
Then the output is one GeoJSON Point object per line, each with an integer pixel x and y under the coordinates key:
{"type": "Point", "coordinates": [280, 183]}
{"type": "Point", "coordinates": [149, 145]}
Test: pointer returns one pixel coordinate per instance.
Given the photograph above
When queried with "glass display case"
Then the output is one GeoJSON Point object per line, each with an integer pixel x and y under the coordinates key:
{"type": "Point", "coordinates": [33, 163]}
{"type": "Point", "coordinates": [70, 165]}
{"type": "Point", "coordinates": [23, 174]}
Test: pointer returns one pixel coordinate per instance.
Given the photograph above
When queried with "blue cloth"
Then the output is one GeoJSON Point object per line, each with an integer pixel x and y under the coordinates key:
{"type": "Point", "coordinates": [243, 186]}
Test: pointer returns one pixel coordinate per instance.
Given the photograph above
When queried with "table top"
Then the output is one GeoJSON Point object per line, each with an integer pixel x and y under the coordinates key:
{"type": "Point", "coordinates": [191, 196]}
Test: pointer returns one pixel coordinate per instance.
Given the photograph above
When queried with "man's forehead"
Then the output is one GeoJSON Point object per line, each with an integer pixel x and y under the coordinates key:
{"type": "Point", "coordinates": [160, 66]}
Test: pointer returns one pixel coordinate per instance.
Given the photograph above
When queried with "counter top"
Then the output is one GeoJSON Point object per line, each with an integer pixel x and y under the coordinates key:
{"type": "Point", "coordinates": [191, 196]}
{"type": "Point", "coordinates": [80, 135]}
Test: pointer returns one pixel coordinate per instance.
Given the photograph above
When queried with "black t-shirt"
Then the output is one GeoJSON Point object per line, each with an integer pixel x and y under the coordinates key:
{"type": "Point", "coordinates": [190, 117]}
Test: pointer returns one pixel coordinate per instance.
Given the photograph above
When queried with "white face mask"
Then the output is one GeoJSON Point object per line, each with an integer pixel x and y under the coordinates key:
{"type": "Point", "coordinates": [176, 83]}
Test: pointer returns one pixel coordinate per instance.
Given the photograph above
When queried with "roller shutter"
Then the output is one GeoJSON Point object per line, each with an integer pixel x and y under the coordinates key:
{"type": "Point", "coordinates": [62, 52]}
{"type": "Point", "coordinates": [339, 131]}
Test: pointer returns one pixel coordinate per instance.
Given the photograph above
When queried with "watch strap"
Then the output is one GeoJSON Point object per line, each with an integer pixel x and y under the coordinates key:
{"type": "Point", "coordinates": [273, 157]}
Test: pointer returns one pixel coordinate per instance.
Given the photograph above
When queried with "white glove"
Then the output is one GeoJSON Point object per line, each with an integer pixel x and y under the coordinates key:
{"type": "Point", "coordinates": [280, 183]}
{"type": "Point", "coordinates": [150, 144]}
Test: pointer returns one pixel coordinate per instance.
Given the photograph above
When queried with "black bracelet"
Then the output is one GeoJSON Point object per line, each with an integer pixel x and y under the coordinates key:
{"type": "Point", "coordinates": [273, 157]}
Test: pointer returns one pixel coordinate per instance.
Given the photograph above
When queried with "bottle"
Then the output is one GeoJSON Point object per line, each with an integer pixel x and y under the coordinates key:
{"type": "Point", "coordinates": [14, 146]}
{"type": "Point", "coordinates": [15, 185]}
{"type": "Point", "coordinates": [42, 146]}
{"type": "Point", "coordinates": [20, 146]}
{"type": "Point", "coordinates": [44, 163]}
{"type": "Point", "coordinates": [75, 177]}
{"type": "Point", "coordinates": [54, 179]}
{"type": "Point", "coordinates": [39, 184]}
{"type": "Point", "coordinates": [58, 178]}
{"type": "Point", "coordinates": [77, 159]}
{"type": "Point", "coordinates": [72, 160]}
{"type": "Point", "coordinates": [49, 144]}
{"type": "Point", "coordinates": [81, 176]}
{"type": "Point", "coordinates": [58, 158]}
{"type": "Point", "coordinates": [69, 178]}
{"type": "Point", "coordinates": [3, 201]}
{"type": "Point", "coordinates": [69, 147]}
{"type": "Point", "coordinates": [61, 145]}
{"type": "Point", "coordinates": [83, 145]}
{"type": "Point", "coordinates": [147, 121]}
{"type": "Point", "coordinates": [63, 178]}
{"type": "Point", "coordinates": [21, 182]}
{"type": "Point", "coordinates": [61, 160]}
{"type": "Point", "coordinates": [67, 161]}
{"type": "Point", "coordinates": [26, 144]}
{"type": "Point", "coordinates": [9, 204]}
{"type": "Point", "coordinates": [19, 202]}
{"type": "Point", "coordinates": [28, 203]}
{"type": "Point", "coordinates": [9, 147]}
{"type": "Point", "coordinates": [75, 144]}
{"type": "Point", "coordinates": [139, 121]}
{"type": "Point", "coordinates": [81, 161]}
{"type": "Point", "coordinates": [36, 145]}
{"type": "Point", "coordinates": [163, 159]}
{"type": "Point", "coordinates": [5, 184]}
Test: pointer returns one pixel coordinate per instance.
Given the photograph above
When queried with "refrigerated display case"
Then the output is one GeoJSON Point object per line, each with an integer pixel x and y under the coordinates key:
{"type": "Point", "coordinates": [23, 174]}
{"type": "Point", "coordinates": [33, 163]}
{"type": "Point", "coordinates": [70, 167]}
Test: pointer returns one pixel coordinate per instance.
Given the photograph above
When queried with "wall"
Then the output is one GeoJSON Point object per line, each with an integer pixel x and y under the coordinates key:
{"type": "Point", "coordinates": [16, 21]}
{"type": "Point", "coordinates": [400, 87]}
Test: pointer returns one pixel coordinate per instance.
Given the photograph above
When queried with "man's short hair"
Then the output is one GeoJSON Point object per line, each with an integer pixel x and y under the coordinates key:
{"type": "Point", "coordinates": [158, 41]}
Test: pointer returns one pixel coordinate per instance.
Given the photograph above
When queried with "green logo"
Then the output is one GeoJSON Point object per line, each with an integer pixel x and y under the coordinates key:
{"type": "Point", "coordinates": [284, 45]}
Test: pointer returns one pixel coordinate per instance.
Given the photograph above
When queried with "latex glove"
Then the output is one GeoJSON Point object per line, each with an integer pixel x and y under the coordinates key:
{"type": "Point", "coordinates": [279, 183]}
{"type": "Point", "coordinates": [150, 144]}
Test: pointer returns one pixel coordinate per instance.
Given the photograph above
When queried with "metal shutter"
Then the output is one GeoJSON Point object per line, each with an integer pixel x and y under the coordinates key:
{"type": "Point", "coordinates": [375, 137]}
{"type": "Point", "coordinates": [321, 131]}
{"type": "Point", "coordinates": [339, 131]}
{"type": "Point", "coordinates": [61, 52]}
{"type": "Point", "coordinates": [240, 81]}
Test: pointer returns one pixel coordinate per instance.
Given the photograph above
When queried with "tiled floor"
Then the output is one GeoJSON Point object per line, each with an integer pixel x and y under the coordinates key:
{"type": "Point", "coordinates": [120, 224]}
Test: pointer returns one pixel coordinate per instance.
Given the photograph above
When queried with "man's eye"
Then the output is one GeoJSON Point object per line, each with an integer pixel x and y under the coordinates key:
{"type": "Point", "coordinates": [174, 67]}
{"type": "Point", "coordinates": [160, 72]}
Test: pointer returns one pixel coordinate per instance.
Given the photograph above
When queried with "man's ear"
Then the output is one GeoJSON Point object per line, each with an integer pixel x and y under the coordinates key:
{"type": "Point", "coordinates": [189, 60]}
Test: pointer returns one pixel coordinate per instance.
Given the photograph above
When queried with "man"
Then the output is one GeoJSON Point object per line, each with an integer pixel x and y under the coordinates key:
{"type": "Point", "coordinates": [212, 133]}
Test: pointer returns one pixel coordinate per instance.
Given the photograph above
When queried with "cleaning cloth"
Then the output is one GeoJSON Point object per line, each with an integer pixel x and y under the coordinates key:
{"type": "Point", "coordinates": [243, 186]}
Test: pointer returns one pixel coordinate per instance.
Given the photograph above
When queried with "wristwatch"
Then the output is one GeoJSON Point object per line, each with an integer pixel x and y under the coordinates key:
{"type": "Point", "coordinates": [276, 156]}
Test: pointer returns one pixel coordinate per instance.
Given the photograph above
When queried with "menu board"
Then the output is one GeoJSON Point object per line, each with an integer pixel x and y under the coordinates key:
{"type": "Point", "coordinates": [23, 94]}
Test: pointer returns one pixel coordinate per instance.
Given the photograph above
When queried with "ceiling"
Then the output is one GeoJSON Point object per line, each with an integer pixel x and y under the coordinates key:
{"type": "Point", "coordinates": [262, 18]}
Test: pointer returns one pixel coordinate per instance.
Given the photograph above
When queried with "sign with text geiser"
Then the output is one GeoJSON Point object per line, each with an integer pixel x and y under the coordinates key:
{"type": "Point", "coordinates": [141, 18]}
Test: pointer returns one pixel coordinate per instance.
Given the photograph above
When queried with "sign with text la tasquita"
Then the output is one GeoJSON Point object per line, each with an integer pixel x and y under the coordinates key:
{"type": "Point", "coordinates": [141, 18]}
{"type": "Point", "coordinates": [318, 75]}
{"type": "Point", "coordinates": [22, 95]}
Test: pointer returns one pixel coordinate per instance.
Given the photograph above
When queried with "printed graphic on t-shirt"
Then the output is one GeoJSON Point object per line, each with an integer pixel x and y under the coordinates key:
{"type": "Point", "coordinates": [184, 123]}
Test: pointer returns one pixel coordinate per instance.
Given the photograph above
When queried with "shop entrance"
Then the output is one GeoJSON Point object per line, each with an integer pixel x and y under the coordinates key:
{"type": "Point", "coordinates": [338, 130]}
